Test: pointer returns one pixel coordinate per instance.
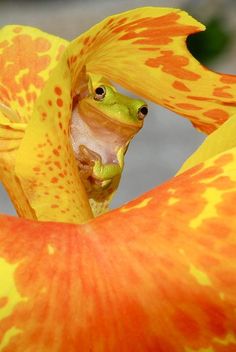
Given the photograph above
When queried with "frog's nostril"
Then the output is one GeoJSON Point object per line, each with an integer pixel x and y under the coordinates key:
{"type": "Point", "coordinates": [142, 112]}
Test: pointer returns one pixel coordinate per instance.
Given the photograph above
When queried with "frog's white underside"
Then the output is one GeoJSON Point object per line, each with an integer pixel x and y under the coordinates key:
{"type": "Point", "coordinates": [96, 139]}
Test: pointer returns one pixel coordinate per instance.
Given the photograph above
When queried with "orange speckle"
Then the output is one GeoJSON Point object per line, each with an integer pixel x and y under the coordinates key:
{"type": "Point", "coordinates": [110, 21]}
{"type": "Point", "coordinates": [173, 65]}
{"type": "Point", "coordinates": [54, 180]}
{"type": "Point", "coordinates": [49, 102]}
{"type": "Point", "coordinates": [53, 206]}
{"type": "Point", "coordinates": [122, 21]}
{"type": "Point", "coordinates": [188, 106]}
{"type": "Point", "coordinates": [217, 115]}
{"type": "Point", "coordinates": [86, 40]}
{"type": "Point", "coordinates": [219, 92]}
{"type": "Point", "coordinates": [56, 152]}
{"type": "Point", "coordinates": [229, 103]}
{"type": "Point", "coordinates": [180, 86]}
{"type": "Point", "coordinates": [58, 90]}
{"type": "Point", "coordinates": [58, 164]}
{"type": "Point", "coordinates": [200, 98]}
{"type": "Point", "coordinates": [59, 102]}
{"type": "Point", "coordinates": [228, 79]}
{"type": "Point", "coordinates": [223, 160]}
{"type": "Point", "coordinates": [42, 44]}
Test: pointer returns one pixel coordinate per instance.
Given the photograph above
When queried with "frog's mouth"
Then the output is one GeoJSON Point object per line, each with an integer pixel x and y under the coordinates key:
{"type": "Point", "coordinates": [97, 137]}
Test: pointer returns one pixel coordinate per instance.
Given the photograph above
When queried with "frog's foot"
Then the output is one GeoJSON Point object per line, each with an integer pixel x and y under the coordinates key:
{"type": "Point", "coordinates": [88, 162]}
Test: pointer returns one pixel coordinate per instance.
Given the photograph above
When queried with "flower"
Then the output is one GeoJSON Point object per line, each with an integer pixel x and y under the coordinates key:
{"type": "Point", "coordinates": [158, 274]}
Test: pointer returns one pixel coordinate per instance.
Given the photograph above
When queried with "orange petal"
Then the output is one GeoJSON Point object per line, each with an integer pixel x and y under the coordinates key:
{"type": "Point", "coordinates": [144, 50]}
{"type": "Point", "coordinates": [27, 55]}
{"type": "Point", "coordinates": [155, 275]}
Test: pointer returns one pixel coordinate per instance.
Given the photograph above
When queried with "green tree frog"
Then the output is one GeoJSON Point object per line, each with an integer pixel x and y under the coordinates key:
{"type": "Point", "coordinates": [102, 125]}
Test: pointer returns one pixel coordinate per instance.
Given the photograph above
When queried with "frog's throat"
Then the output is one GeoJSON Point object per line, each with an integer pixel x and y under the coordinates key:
{"type": "Point", "coordinates": [99, 143]}
{"type": "Point", "coordinates": [99, 134]}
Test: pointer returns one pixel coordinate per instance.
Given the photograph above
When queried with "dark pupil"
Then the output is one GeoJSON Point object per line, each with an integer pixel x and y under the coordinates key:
{"type": "Point", "coordinates": [144, 110]}
{"type": "Point", "coordinates": [99, 91]}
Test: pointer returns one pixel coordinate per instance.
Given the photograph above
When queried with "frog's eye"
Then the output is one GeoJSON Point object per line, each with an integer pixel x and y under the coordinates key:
{"type": "Point", "coordinates": [142, 112]}
{"type": "Point", "coordinates": [100, 93]}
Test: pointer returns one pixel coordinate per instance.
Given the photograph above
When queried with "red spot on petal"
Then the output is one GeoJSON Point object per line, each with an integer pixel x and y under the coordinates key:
{"type": "Point", "coordinates": [54, 180]}
{"type": "Point", "coordinates": [56, 152]}
{"type": "Point", "coordinates": [59, 102]}
{"type": "Point", "coordinates": [86, 40]}
{"type": "Point", "coordinates": [58, 90]}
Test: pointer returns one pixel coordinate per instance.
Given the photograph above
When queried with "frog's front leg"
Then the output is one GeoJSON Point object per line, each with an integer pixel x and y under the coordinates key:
{"type": "Point", "coordinates": [106, 172]}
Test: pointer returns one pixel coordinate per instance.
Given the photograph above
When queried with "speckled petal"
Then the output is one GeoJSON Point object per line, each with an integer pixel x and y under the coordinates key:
{"type": "Point", "coordinates": [144, 50]}
{"type": "Point", "coordinates": [155, 275]}
{"type": "Point", "coordinates": [11, 135]}
{"type": "Point", "coordinates": [37, 164]}
{"type": "Point", "coordinates": [27, 55]}
{"type": "Point", "coordinates": [45, 163]}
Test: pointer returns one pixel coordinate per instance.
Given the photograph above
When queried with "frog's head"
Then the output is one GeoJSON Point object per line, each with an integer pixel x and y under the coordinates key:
{"type": "Point", "coordinates": [117, 109]}
{"type": "Point", "coordinates": [103, 124]}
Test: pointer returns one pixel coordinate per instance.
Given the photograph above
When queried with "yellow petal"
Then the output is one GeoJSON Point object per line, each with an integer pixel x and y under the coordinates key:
{"type": "Point", "coordinates": [45, 164]}
{"type": "Point", "coordinates": [221, 140]}
{"type": "Point", "coordinates": [144, 50]}
{"type": "Point", "coordinates": [27, 55]}
{"type": "Point", "coordinates": [11, 135]}
{"type": "Point", "coordinates": [37, 167]}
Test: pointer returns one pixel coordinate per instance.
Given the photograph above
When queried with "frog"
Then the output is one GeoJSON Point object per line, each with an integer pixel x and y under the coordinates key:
{"type": "Point", "coordinates": [103, 123]}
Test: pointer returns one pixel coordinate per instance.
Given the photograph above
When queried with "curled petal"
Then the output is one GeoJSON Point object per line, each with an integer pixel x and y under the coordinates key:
{"type": "Point", "coordinates": [144, 50]}
{"type": "Point", "coordinates": [45, 163]}
{"type": "Point", "coordinates": [131, 280]}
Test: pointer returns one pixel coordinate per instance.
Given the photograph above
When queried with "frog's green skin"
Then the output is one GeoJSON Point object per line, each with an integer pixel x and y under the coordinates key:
{"type": "Point", "coordinates": [102, 127]}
